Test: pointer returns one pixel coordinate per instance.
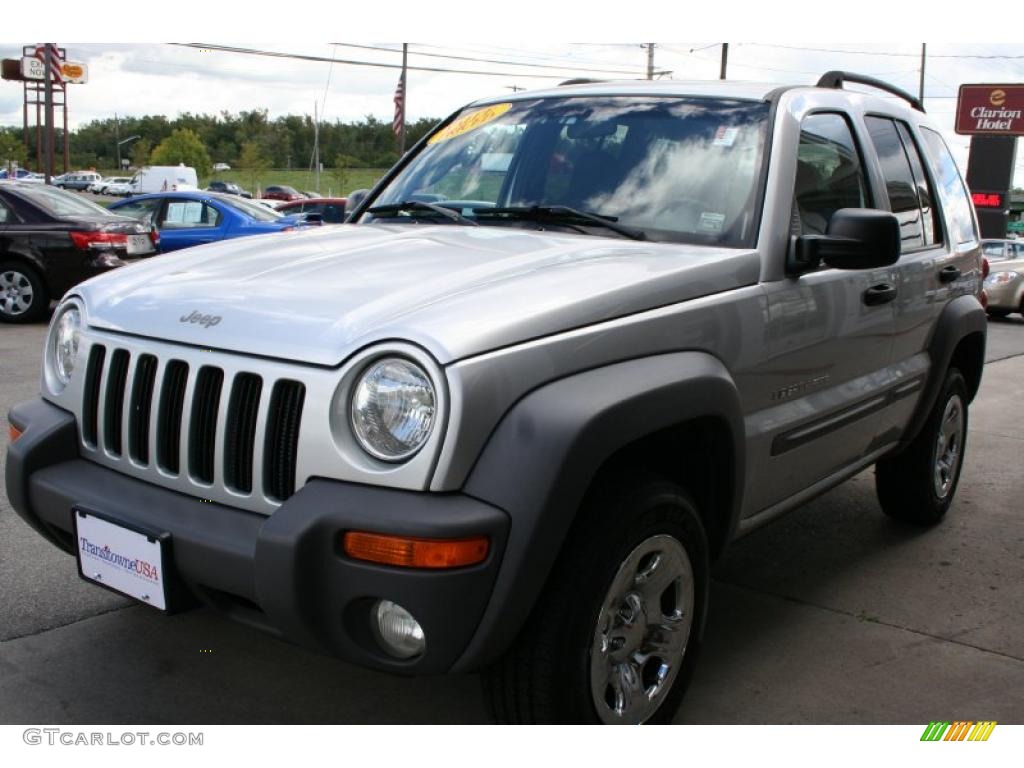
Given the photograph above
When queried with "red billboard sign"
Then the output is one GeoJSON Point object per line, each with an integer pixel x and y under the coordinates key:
{"type": "Point", "coordinates": [992, 110]}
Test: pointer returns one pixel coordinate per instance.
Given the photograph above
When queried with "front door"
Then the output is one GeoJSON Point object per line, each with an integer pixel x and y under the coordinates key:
{"type": "Point", "coordinates": [828, 338]}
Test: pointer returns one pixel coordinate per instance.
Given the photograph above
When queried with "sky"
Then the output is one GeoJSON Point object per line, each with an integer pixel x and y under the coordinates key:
{"type": "Point", "coordinates": [161, 78]}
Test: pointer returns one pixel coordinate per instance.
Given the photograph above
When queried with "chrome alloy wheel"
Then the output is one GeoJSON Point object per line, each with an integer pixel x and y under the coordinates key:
{"type": "Point", "coordinates": [15, 293]}
{"type": "Point", "coordinates": [949, 446]}
{"type": "Point", "coordinates": [642, 631]}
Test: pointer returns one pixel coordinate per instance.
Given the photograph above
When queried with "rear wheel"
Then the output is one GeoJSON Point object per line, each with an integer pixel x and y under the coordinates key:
{"type": "Point", "coordinates": [917, 486]}
{"type": "Point", "coordinates": [23, 296]}
{"type": "Point", "coordinates": [614, 636]}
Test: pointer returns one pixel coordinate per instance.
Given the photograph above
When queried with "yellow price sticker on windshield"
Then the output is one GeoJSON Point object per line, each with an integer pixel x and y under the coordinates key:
{"type": "Point", "coordinates": [470, 122]}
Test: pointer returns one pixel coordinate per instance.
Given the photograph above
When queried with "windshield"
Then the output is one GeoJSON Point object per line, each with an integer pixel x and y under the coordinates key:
{"type": "Point", "coordinates": [676, 169]}
{"type": "Point", "coordinates": [60, 203]}
{"type": "Point", "coordinates": [255, 210]}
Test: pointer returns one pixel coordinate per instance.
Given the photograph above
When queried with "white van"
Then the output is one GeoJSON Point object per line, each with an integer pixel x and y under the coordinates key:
{"type": "Point", "coordinates": [163, 178]}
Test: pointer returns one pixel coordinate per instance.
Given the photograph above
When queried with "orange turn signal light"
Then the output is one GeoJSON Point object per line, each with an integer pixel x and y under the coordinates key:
{"type": "Point", "coordinates": [408, 552]}
{"type": "Point", "coordinates": [13, 433]}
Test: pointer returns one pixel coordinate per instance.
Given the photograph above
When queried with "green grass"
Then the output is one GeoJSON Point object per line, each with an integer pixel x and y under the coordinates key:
{"type": "Point", "coordinates": [330, 184]}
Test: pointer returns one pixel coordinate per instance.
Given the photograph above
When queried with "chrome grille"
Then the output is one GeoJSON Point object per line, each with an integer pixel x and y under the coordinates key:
{"type": "Point", "coordinates": [201, 423]}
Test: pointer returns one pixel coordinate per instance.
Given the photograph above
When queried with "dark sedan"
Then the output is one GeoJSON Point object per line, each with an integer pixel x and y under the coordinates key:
{"type": "Point", "coordinates": [330, 209]}
{"type": "Point", "coordinates": [51, 240]}
{"type": "Point", "coordinates": [228, 188]}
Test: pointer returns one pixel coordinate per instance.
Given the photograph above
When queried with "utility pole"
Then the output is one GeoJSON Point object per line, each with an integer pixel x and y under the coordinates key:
{"type": "Point", "coordinates": [725, 61]}
{"type": "Point", "coordinates": [117, 140]}
{"type": "Point", "coordinates": [405, 63]}
{"type": "Point", "coordinates": [316, 145]}
{"type": "Point", "coordinates": [650, 60]}
{"type": "Point", "coordinates": [48, 98]}
{"type": "Point", "coordinates": [924, 47]}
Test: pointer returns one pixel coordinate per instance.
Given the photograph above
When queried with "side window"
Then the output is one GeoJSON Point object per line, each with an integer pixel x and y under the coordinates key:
{"type": "Point", "coordinates": [190, 214]}
{"type": "Point", "coordinates": [1018, 251]}
{"type": "Point", "coordinates": [829, 173]}
{"type": "Point", "coordinates": [6, 214]}
{"type": "Point", "coordinates": [899, 180]}
{"type": "Point", "coordinates": [993, 250]}
{"type": "Point", "coordinates": [334, 213]}
{"type": "Point", "coordinates": [955, 200]}
{"type": "Point", "coordinates": [925, 193]}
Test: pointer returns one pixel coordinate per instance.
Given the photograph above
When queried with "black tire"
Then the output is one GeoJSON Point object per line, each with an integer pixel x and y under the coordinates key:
{"type": "Point", "coordinates": [25, 280]}
{"type": "Point", "coordinates": [908, 485]}
{"type": "Point", "coordinates": [546, 676]}
{"type": "Point", "coordinates": [1000, 313]}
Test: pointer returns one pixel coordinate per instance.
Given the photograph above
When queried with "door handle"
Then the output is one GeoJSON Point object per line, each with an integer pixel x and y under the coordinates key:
{"type": "Point", "coordinates": [879, 294]}
{"type": "Point", "coordinates": [948, 274]}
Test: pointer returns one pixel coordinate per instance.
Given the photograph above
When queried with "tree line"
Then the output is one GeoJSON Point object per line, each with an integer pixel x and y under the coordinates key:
{"type": "Point", "coordinates": [202, 139]}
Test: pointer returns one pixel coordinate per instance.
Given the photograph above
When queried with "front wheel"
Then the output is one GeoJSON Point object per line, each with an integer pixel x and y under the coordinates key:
{"type": "Point", "coordinates": [917, 486]}
{"type": "Point", "coordinates": [614, 636]}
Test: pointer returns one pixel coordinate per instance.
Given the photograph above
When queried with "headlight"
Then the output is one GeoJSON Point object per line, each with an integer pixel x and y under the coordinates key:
{"type": "Point", "coordinates": [392, 409]}
{"type": "Point", "coordinates": [64, 351]}
{"type": "Point", "coordinates": [1001, 278]}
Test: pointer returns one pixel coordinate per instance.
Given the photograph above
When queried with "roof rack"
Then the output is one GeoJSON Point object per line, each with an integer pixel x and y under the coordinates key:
{"type": "Point", "coordinates": [836, 78]}
{"type": "Point", "coordinates": [581, 81]}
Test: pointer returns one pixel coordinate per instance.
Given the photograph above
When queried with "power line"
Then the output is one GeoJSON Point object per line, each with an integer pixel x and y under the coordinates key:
{"type": "Point", "coordinates": [884, 53]}
{"type": "Point", "coordinates": [496, 50]}
{"type": "Point", "coordinates": [491, 61]}
{"type": "Point", "coordinates": [356, 63]}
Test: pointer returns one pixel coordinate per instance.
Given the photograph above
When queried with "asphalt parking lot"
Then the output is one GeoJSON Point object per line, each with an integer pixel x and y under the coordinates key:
{"type": "Point", "coordinates": [832, 615]}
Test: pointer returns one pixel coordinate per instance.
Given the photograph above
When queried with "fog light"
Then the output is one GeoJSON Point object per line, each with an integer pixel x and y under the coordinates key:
{"type": "Point", "coordinates": [399, 633]}
{"type": "Point", "coordinates": [13, 433]}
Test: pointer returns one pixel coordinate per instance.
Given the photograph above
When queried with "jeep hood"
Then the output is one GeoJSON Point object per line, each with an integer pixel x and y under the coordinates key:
{"type": "Point", "coordinates": [318, 295]}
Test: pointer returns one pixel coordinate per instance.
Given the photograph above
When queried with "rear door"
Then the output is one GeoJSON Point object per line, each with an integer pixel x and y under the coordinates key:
{"type": "Point", "coordinates": [926, 193]}
{"type": "Point", "coordinates": [184, 223]}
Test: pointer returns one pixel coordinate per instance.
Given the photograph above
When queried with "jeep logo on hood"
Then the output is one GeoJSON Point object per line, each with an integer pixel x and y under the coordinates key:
{"type": "Point", "coordinates": [207, 321]}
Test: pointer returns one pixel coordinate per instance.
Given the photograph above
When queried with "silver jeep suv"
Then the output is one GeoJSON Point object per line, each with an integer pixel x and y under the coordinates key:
{"type": "Point", "coordinates": [569, 348]}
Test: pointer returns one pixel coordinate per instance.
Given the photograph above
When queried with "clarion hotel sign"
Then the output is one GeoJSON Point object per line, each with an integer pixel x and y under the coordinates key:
{"type": "Point", "coordinates": [994, 110]}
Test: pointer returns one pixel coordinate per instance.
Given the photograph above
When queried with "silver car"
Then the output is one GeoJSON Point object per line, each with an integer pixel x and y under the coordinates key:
{"type": "Point", "coordinates": [1004, 285]}
{"type": "Point", "coordinates": [571, 346]}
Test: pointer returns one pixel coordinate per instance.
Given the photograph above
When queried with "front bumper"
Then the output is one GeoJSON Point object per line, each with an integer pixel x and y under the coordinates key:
{"type": "Point", "coordinates": [284, 573]}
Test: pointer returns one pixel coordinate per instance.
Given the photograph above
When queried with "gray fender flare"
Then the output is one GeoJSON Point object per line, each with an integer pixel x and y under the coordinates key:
{"type": "Point", "coordinates": [546, 451]}
{"type": "Point", "coordinates": [961, 317]}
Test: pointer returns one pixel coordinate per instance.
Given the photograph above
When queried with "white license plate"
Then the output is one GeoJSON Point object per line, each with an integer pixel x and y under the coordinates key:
{"type": "Point", "coordinates": [139, 244]}
{"type": "Point", "coordinates": [121, 559]}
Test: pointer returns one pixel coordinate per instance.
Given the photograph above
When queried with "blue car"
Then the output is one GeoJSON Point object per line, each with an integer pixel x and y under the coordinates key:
{"type": "Point", "coordinates": [194, 218]}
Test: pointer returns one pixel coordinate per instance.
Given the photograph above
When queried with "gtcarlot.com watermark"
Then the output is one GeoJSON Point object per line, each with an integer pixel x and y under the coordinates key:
{"type": "Point", "coordinates": [72, 738]}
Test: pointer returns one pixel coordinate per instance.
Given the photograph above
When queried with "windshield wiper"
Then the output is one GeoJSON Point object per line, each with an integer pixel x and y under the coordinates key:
{"type": "Point", "coordinates": [560, 213]}
{"type": "Point", "coordinates": [419, 205]}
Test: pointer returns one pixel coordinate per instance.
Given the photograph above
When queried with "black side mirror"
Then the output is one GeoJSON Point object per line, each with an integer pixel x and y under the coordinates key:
{"type": "Point", "coordinates": [355, 199]}
{"type": "Point", "coordinates": [858, 238]}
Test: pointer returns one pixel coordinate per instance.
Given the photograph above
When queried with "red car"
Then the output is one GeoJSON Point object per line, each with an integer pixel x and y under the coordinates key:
{"type": "Point", "coordinates": [281, 192]}
{"type": "Point", "coordinates": [331, 209]}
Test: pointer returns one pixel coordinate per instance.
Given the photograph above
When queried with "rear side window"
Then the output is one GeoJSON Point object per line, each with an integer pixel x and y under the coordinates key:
{"type": "Point", "coordinates": [190, 214]}
{"type": "Point", "coordinates": [955, 200]}
{"type": "Point", "coordinates": [899, 181]}
{"type": "Point", "coordinates": [925, 194]}
{"type": "Point", "coordinates": [993, 251]}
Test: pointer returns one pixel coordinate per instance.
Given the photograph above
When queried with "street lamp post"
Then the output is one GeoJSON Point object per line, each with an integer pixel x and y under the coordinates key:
{"type": "Point", "coordinates": [123, 141]}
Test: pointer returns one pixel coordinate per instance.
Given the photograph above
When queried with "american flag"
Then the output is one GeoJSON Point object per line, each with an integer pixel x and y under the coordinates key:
{"type": "Point", "coordinates": [54, 61]}
{"type": "Point", "coordinates": [399, 122]}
